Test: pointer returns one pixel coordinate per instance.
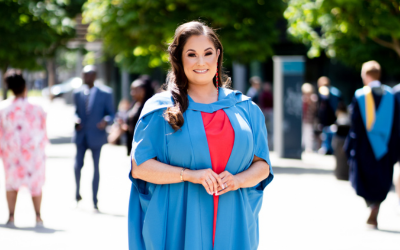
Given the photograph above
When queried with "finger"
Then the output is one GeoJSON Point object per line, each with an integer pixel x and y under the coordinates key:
{"type": "Point", "coordinates": [224, 191]}
{"type": "Point", "coordinates": [214, 184]}
{"type": "Point", "coordinates": [210, 184]}
{"type": "Point", "coordinates": [222, 188]}
{"type": "Point", "coordinates": [207, 186]}
{"type": "Point", "coordinates": [227, 179]}
{"type": "Point", "coordinates": [219, 179]}
{"type": "Point", "coordinates": [223, 174]}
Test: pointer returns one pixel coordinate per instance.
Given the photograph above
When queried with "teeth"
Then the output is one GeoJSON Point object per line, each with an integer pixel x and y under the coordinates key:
{"type": "Point", "coordinates": [201, 71]}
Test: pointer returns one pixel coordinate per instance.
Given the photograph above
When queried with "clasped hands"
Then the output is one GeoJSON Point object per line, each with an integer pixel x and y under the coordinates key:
{"type": "Point", "coordinates": [101, 125]}
{"type": "Point", "coordinates": [214, 183]}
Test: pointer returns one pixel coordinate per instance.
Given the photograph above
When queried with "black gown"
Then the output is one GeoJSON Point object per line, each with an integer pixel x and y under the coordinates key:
{"type": "Point", "coordinates": [370, 178]}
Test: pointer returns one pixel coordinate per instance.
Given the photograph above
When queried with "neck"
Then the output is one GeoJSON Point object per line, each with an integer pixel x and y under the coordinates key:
{"type": "Point", "coordinates": [22, 95]}
{"type": "Point", "coordinates": [368, 81]}
{"type": "Point", "coordinates": [206, 93]}
{"type": "Point", "coordinates": [90, 85]}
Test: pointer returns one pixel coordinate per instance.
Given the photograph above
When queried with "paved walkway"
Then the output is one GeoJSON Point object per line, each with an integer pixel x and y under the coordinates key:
{"type": "Point", "coordinates": [305, 207]}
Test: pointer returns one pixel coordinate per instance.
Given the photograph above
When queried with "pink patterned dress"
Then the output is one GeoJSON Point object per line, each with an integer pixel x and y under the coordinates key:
{"type": "Point", "coordinates": [22, 142]}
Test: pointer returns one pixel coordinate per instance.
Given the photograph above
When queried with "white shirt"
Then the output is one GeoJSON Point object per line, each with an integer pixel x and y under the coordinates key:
{"type": "Point", "coordinates": [252, 92]}
{"type": "Point", "coordinates": [374, 84]}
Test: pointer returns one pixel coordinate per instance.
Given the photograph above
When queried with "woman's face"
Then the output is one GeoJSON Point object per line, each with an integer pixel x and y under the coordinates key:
{"type": "Point", "coordinates": [137, 93]}
{"type": "Point", "coordinates": [200, 58]}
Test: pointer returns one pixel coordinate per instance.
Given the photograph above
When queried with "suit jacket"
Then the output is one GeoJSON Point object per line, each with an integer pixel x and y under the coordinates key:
{"type": "Point", "coordinates": [101, 108]}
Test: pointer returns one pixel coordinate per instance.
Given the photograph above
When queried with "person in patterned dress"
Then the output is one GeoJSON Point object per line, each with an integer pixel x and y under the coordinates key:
{"type": "Point", "coordinates": [22, 143]}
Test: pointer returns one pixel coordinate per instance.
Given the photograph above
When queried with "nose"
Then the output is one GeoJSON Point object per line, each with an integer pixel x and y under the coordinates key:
{"type": "Point", "coordinates": [200, 62]}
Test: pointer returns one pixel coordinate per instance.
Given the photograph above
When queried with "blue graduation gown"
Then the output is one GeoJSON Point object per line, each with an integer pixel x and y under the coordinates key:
{"type": "Point", "coordinates": [180, 216]}
{"type": "Point", "coordinates": [396, 91]}
{"type": "Point", "coordinates": [371, 178]}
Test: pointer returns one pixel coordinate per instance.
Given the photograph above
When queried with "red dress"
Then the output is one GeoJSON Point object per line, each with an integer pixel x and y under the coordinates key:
{"type": "Point", "coordinates": [220, 138]}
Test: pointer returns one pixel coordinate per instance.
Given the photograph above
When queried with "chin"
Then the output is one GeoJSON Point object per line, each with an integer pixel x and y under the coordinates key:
{"type": "Point", "coordinates": [200, 80]}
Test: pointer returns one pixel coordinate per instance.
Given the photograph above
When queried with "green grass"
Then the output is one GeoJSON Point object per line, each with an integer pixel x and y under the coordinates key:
{"type": "Point", "coordinates": [31, 93]}
{"type": "Point", "coordinates": [34, 92]}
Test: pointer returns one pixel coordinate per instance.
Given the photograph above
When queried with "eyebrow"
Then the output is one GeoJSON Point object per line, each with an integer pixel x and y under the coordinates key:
{"type": "Point", "coordinates": [195, 51]}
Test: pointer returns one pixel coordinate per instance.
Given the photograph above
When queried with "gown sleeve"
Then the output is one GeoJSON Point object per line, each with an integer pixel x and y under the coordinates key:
{"type": "Point", "coordinates": [350, 146]}
{"type": "Point", "coordinates": [148, 143]}
{"type": "Point", "coordinates": [260, 137]}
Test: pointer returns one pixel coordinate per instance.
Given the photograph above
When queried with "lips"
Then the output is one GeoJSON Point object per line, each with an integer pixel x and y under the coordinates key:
{"type": "Point", "coordinates": [200, 71]}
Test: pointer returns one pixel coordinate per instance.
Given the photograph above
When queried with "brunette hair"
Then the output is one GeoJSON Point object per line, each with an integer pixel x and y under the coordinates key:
{"type": "Point", "coordinates": [144, 82]}
{"type": "Point", "coordinates": [15, 81]}
{"type": "Point", "coordinates": [176, 79]}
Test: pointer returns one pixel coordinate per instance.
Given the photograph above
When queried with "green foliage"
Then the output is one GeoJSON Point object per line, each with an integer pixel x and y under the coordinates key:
{"type": "Point", "coordinates": [137, 32]}
{"type": "Point", "coordinates": [33, 29]}
{"type": "Point", "coordinates": [353, 31]}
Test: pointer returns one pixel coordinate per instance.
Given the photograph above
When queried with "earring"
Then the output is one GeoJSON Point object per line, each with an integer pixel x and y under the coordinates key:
{"type": "Point", "coordinates": [216, 75]}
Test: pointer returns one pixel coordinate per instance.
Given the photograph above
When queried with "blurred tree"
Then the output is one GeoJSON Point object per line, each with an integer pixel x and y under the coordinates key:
{"type": "Point", "coordinates": [136, 32]}
{"type": "Point", "coordinates": [31, 30]}
{"type": "Point", "coordinates": [352, 31]}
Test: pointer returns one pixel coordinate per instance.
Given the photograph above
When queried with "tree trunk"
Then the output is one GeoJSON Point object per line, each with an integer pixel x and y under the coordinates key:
{"type": "Point", "coordinates": [3, 83]}
{"type": "Point", "coordinates": [395, 45]}
{"type": "Point", "coordinates": [51, 71]}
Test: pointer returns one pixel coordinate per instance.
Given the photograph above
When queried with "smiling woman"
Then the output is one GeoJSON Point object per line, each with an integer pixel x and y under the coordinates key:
{"type": "Point", "coordinates": [200, 158]}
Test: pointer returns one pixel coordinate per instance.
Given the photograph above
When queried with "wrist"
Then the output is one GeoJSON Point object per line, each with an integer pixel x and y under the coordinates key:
{"type": "Point", "coordinates": [239, 181]}
{"type": "Point", "coordinates": [187, 175]}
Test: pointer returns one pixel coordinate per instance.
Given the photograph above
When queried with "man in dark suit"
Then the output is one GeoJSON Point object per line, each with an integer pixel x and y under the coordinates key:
{"type": "Point", "coordinates": [94, 109]}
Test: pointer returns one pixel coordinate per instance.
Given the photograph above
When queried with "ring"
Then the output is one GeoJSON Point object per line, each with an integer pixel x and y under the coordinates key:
{"type": "Point", "coordinates": [208, 179]}
{"type": "Point", "coordinates": [225, 186]}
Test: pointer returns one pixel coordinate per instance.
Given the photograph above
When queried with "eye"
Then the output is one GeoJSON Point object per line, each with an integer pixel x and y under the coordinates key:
{"type": "Point", "coordinates": [192, 55]}
{"type": "Point", "coordinates": [209, 53]}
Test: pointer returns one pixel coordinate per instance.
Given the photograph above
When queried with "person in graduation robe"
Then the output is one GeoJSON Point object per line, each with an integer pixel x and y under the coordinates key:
{"type": "Point", "coordinates": [372, 144]}
{"type": "Point", "coordinates": [396, 91]}
{"type": "Point", "coordinates": [200, 158]}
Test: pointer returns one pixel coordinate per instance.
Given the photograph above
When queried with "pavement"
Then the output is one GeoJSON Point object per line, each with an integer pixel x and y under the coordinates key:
{"type": "Point", "coordinates": [305, 207]}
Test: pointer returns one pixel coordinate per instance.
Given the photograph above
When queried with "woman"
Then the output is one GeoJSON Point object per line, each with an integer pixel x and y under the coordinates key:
{"type": "Point", "coordinates": [200, 158]}
{"type": "Point", "coordinates": [22, 143]}
{"type": "Point", "coordinates": [141, 91]}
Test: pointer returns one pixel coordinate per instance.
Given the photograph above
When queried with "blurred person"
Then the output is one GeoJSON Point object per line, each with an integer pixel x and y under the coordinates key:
{"type": "Point", "coordinates": [141, 91]}
{"type": "Point", "coordinates": [156, 86]}
{"type": "Point", "coordinates": [328, 99]}
{"type": "Point", "coordinates": [22, 145]}
{"type": "Point", "coordinates": [266, 103]}
{"type": "Point", "coordinates": [341, 129]}
{"type": "Point", "coordinates": [266, 100]}
{"type": "Point", "coordinates": [309, 114]}
{"type": "Point", "coordinates": [194, 143]}
{"type": "Point", "coordinates": [94, 109]}
{"type": "Point", "coordinates": [372, 145]}
{"type": "Point", "coordinates": [254, 89]}
{"type": "Point", "coordinates": [116, 134]}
